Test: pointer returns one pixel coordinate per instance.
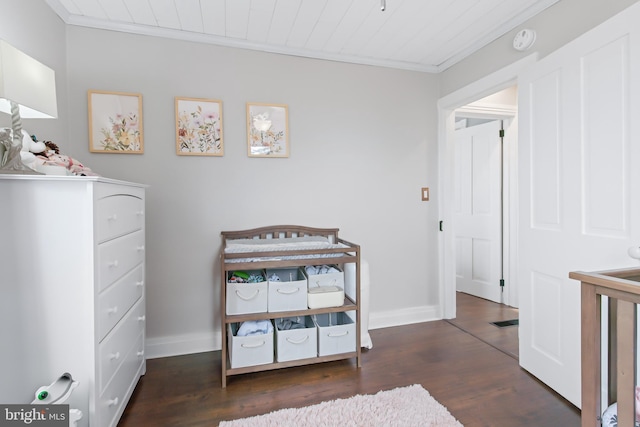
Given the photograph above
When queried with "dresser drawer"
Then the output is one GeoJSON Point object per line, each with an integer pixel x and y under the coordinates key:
{"type": "Point", "coordinates": [115, 397]}
{"type": "Point", "coordinates": [117, 257]}
{"type": "Point", "coordinates": [117, 215]}
{"type": "Point", "coordinates": [116, 346]}
{"type": "Point", "coordinates": [117, 299]}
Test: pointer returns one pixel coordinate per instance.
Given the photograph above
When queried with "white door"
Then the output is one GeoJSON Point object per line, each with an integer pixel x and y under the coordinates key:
{"type": "Point", "coordinates": [579, 183]}
{"type": "Point", "coordinates": [477, 210]}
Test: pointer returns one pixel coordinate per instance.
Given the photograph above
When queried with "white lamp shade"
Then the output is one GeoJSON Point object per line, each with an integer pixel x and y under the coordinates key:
{"type": "Point", "coordinates": [28, 83]}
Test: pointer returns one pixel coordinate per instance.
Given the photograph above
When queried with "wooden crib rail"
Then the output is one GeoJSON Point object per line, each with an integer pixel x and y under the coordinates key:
{"type": "Point", "coordinates": [623, 289]}
{"type": "Point", "coordinates": [279, 232]}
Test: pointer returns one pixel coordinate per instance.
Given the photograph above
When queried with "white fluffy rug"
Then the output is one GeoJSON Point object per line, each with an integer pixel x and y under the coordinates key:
{"type": "Point", "coordinates": [404, 406]}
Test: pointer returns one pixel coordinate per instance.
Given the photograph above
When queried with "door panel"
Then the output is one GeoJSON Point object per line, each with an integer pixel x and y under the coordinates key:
{"type": "Point", "coordinates": [575, 187]}
{"type": "Point", "coordinates": [477, 210]}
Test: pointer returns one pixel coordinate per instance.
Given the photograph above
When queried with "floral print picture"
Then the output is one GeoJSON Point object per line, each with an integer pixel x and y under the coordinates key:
{"type": "Point", "coordinates": [115, 122]}
{"type": "Point", "coordinates": [267, 130]}
{"type": "Point", "coordinates": [199, 127]}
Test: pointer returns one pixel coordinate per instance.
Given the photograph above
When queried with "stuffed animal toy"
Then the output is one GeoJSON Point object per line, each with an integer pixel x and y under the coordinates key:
{"type": "Point", "coordinates": [29, 149]}
{"type": "Point", "coordinates": [51, 157]}
{"type": "Point", "coordinates": [41, 156]}
{"type": "Point", "coordinates": [610, 416]}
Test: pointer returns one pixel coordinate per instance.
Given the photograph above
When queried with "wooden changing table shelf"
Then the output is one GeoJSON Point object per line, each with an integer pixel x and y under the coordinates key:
{"type": "Point", "coordinates": [274, 259]}
{"type": "Point", "coordinates": [623, 289]}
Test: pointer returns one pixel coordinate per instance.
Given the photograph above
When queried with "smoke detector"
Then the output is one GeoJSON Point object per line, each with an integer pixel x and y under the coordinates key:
{"type": "Point", "coordinates": [524, 39]}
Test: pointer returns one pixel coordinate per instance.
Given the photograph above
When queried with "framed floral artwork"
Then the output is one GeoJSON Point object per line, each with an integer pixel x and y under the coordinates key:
{"type": "Point", "coordinates": [115, 122]}
{"type": "Point", "coordinates": [199, 127]}
{"type": "Point", "coordinates": [267, 130]}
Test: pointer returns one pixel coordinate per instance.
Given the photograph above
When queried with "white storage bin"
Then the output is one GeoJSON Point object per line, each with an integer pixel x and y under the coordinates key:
{"type": "Point", "coordinates": [250, 350]}
{"type": "Point", "coordinates": [325, 290]}
{"type": "Point", "coordinates": [290, 292]}
{"type": "Point", "coordinates": [299, 343]}
{"type": "Point", "coordinates": [328, 279]}
{"type": "Point", "coordinates": [336, 333]}
{"type": "Point", "coordinates": [325, 296]}
{"type": "Point", "coordinates": [243, 298]}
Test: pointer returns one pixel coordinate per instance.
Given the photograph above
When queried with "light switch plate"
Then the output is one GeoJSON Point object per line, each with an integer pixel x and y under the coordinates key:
{"type": "Point", "coordinates": [425, 194]}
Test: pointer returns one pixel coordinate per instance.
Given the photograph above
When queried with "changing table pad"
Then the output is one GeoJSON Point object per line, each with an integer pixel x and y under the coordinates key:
{"type": "Point", "coordinates": [237, 246]}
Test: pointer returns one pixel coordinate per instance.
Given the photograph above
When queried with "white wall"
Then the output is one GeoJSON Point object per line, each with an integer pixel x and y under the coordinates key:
{"type": "Point", "coordinates": [555, 27]}
{"type": "Point", "coordinates": [363, 143]}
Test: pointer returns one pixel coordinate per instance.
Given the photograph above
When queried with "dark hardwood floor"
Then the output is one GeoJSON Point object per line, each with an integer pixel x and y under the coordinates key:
{"type": "Point", "coordinates": [480, 384]}
{"type": "Point", "coordinates": [475, 316]}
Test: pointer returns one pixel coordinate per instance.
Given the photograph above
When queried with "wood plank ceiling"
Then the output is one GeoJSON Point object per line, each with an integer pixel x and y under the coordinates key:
{"type": "Point", "coordinates": [421, 35]}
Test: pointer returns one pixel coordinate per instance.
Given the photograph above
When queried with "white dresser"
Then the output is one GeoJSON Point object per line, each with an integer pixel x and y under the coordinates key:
{"type": "Point", "coordinates": [72, 265]}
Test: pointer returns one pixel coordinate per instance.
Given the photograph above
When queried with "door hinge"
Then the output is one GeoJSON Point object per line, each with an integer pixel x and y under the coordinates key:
{"type": "Point", "coordinates": [501, 133]}
{"type": "Point", "coordinates": [502, 283]}
{"type": "Point", "coordinates": [440, 225]}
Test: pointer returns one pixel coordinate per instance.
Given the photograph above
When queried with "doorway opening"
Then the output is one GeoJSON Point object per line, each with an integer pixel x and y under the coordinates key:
{"type": "Point", "coordinates": [480, 208]}
{"type": "Point", "coordinates": [484, 137]}
{"type": "Point", "coordinates": [464, 98]}
{"type": "Point", "coordinates": [484, 131]}
{"type": "Point", "coordinates": [479, 227]}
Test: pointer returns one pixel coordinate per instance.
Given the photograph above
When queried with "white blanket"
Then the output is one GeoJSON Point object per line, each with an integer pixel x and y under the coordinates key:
{"type": "Point", "coordinates": [239, 246]}
{"type": "Point", "coordinates": [285, 244]}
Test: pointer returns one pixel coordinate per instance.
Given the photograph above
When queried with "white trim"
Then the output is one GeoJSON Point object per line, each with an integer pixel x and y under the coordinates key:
{"type": "Point", "coordinates": [510, 212]}
{"type": "Point", "coordinates": [177, 345]}
{"type": "Point", "coordinates": [177, 34]}
{"type": "Point", "coordinates": [388, 319]}
{"type": "Point", "coordinates": [492, 83]}
{"type": "Point", "coordinates": [483, 111]}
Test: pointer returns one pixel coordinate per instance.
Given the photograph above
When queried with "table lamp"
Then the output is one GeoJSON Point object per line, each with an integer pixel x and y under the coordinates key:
{"type": "Point", "coordinates": [27, 90]}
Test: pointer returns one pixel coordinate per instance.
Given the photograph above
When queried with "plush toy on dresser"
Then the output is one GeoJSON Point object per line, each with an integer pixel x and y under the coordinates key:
{"type": "Point", "coordinates": [51, 157]}
{"type": "Point", "coordinates": [41, 156]}
{"type": "Point", "coordinates": [27, 151]}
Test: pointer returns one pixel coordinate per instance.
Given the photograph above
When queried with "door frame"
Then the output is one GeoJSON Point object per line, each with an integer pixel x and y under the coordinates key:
{"type": "Point", "coordinates": [447, 105]}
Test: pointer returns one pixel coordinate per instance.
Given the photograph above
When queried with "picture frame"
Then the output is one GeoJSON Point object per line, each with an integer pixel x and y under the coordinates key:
{"type": "Point", "coordinates": [267, 130]}
{"type": "Point", "coordinates": [115, 122]}
{"type": "Point", "coordinates": [199, 127]}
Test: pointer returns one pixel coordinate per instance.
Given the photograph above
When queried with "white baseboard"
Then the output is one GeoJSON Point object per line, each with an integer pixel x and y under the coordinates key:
{"type": "Point", "coordinates": [404, 316]}
{"type": "Point", "coordinates": [210, 341]}
{"type": "Point", "coordinates": [178, 345]}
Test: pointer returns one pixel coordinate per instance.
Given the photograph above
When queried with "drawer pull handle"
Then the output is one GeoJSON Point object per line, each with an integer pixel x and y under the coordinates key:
{"type": "Point", "coordinates": [255, 294]}
{"type": "Point", "coordinates": [256, 345]}
{"type": "Point", "coordinates": [113, 264]}
{"type": "Point", "coordinates": [113, 217]}
{"type": "Point", "coordinates": [140, 248]}
{"type": "Point", "coordinates": [140, 283]}
{"type": "Point", "coordinates": [293, 341]}
{"type": "Point", "coordinates": [140, 354]}
{"type": "Point", "coordinates": [142, 318]}
{"type": "Point", "coordinates": [112, 310]}
{"type": "Point", "coordinates": [114, 356]}
{"type": "Point", "coordinates": [113, 402]}
{"type": "Point", "coordinates": [287, 291]}
{"type": "Point", "coordinates": [342, 334]}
